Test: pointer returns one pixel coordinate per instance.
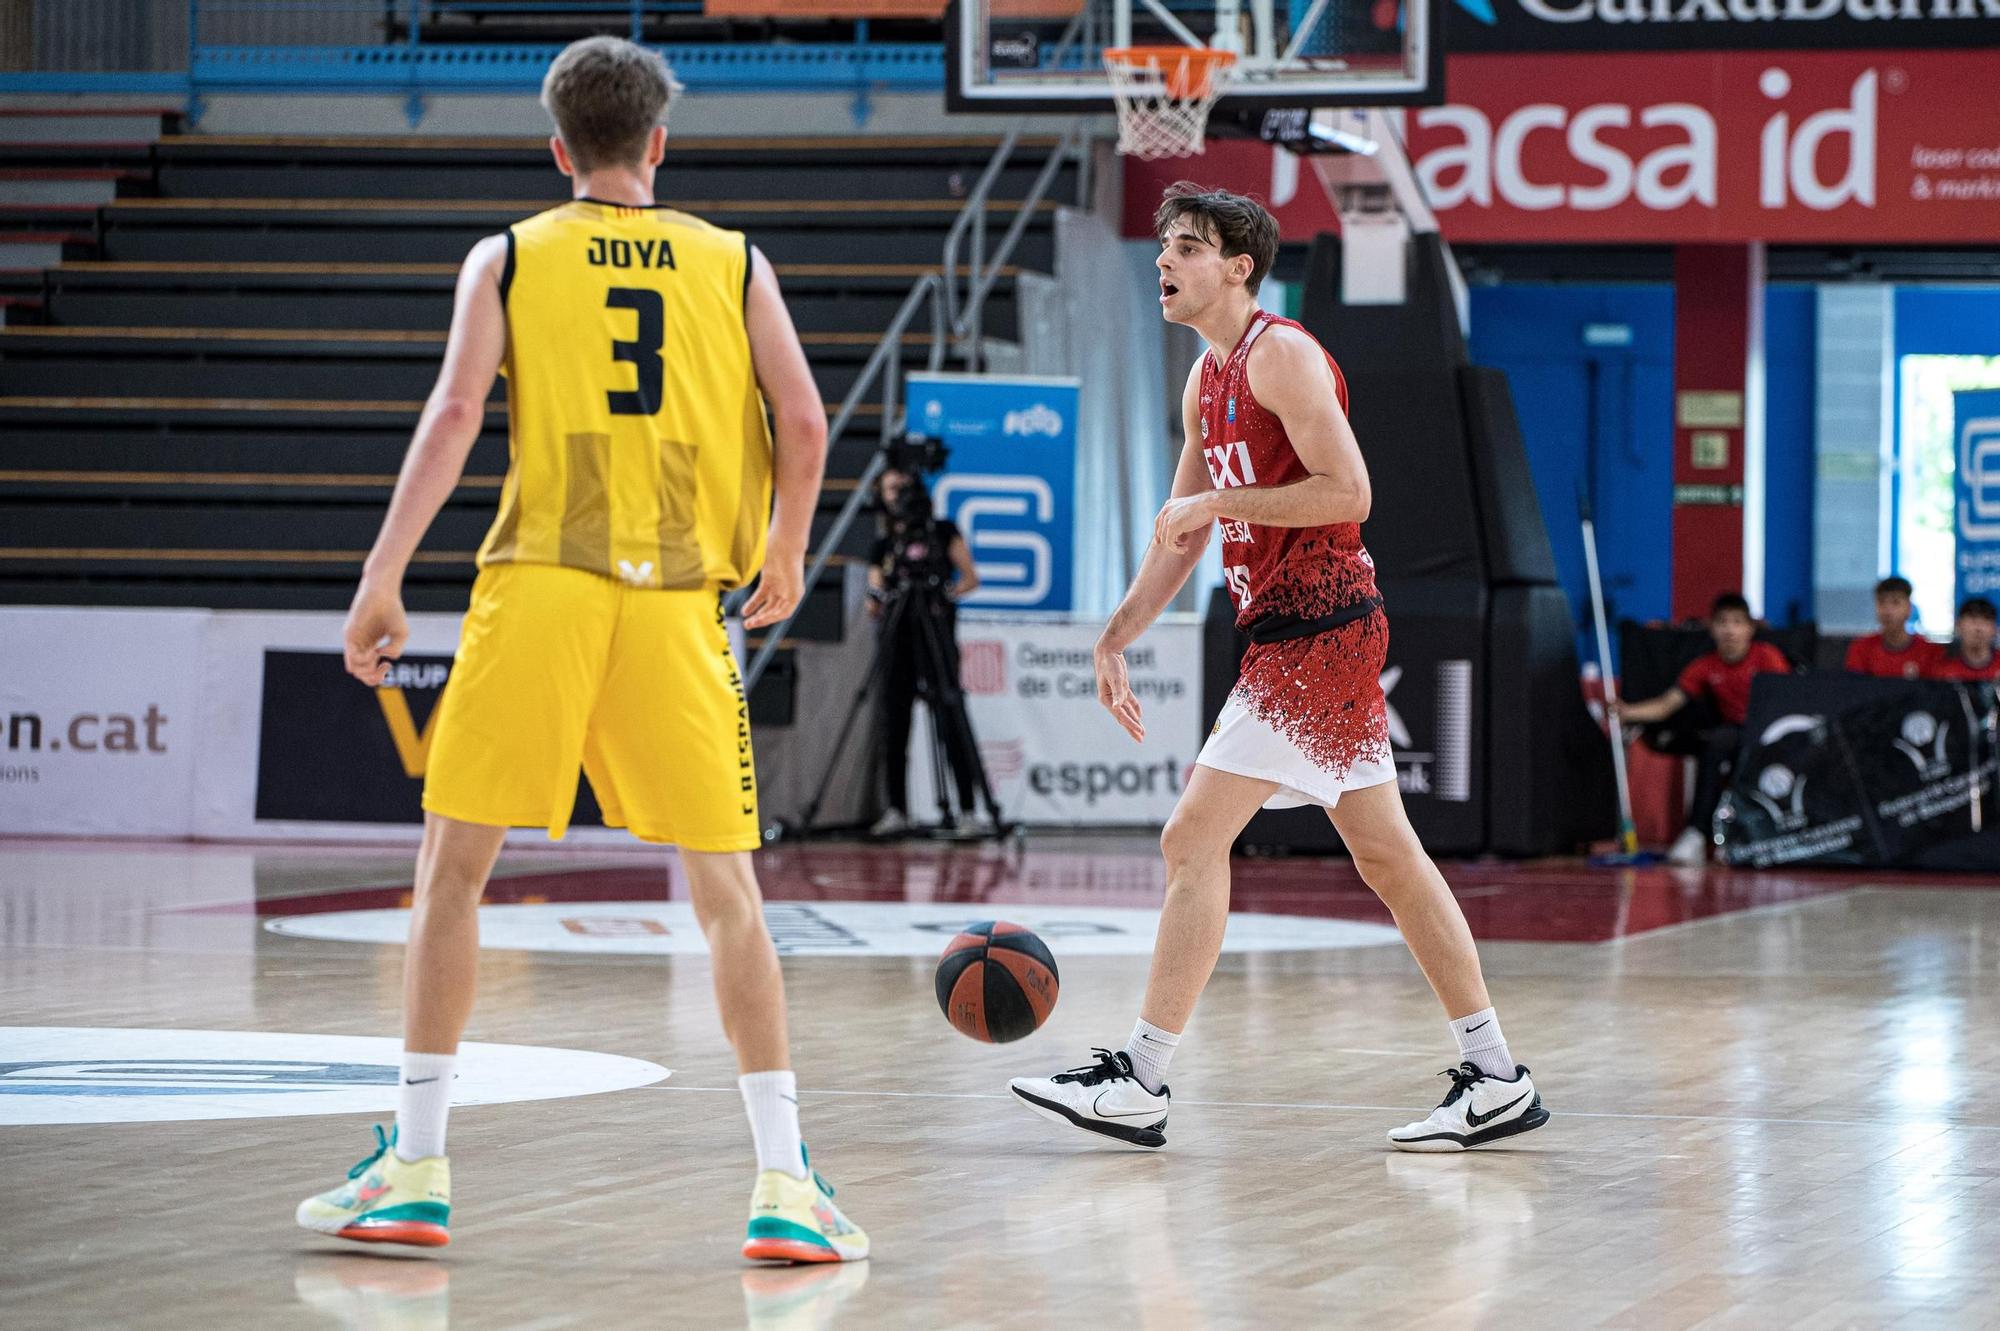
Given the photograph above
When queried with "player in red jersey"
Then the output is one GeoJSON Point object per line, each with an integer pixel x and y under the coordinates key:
{"type": "Point", "coordinates": [1971, 656]}
{"type": "Point", "coordinates": [1893, 652]}
{"type": "Point", "coordinates": [1269, 455]}
{"type": "Point", "coordinates": [1723, 677]}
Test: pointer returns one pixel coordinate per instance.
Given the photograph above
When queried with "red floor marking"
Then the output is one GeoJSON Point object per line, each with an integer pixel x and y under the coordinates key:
{"type": "Point", "coordinates": [1534, 901]}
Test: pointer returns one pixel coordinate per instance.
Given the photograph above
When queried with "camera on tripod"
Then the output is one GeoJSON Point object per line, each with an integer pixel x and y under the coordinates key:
{"type": "Point", "coordinates": [919, 556]}
{"type": "Point", "coordinates": [916, 654]}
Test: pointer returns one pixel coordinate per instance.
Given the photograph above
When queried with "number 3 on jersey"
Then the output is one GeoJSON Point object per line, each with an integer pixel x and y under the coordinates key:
{"type": "Point", "coordinates": [643, 351]}
{"type": "Point", "coordinates": [1238, 576]}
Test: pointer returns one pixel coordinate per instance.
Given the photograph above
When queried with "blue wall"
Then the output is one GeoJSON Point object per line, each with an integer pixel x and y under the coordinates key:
{"type": "Point", "coordinates": [1947, 321]}
{"type": "Point", "coordinates": [1791, 316]}
{"type": "Point", "coordinates": [1621, 447]}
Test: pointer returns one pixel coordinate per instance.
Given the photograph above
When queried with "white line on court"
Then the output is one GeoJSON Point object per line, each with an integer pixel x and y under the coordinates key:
{"type": "Point", "coordinates": [1746, 1121]}
{"type": "Point", "coordinates": [1731, 916]}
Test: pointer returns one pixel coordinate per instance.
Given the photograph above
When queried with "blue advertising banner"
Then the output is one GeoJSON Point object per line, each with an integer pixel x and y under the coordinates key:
{"type": "Point", "coordinates": [1976, 492]}
{"type": "Point", "coordinates": [1010, 483]}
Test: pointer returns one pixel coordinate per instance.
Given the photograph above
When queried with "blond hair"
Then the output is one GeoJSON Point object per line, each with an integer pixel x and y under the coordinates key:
{"type": "Point", "coordinates": [606, 95]}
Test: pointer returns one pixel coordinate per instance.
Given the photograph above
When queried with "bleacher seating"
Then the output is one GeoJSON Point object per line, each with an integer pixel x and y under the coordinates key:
{"type": "Point", "coordinates": [206, 393]}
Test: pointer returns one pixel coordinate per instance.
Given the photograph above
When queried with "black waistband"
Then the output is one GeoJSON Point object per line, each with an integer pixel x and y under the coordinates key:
{"type": "Point", "coordinates": [1283, 628]}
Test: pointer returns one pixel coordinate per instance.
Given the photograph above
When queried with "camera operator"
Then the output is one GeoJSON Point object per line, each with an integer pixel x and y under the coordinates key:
{"type": "Point", "coordinates": [919, 565]}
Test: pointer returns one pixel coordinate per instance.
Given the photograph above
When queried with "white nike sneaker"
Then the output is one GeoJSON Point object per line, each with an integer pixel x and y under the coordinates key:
{"type": "Point", "coordinates": [891, 823]}
{"type": "Point", "coordinates": [1478, 1110]}
{"type": "Point", "coordinates": [1103, 1098]}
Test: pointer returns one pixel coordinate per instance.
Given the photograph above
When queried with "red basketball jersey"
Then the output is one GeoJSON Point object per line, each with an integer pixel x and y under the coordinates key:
{"type": "Point", "coordinates": [1305, 572]}
{"type": "Point", "coordinates": [1868, 656]}
{"type": "Point", "coordinates": [1948, 664]}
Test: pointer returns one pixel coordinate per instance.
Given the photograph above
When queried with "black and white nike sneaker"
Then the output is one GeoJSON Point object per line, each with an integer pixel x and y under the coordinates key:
{"type": "Point", "coordinates": [1104, 1098]}
{"type": "Point", "coordinates": [1477, 1111]}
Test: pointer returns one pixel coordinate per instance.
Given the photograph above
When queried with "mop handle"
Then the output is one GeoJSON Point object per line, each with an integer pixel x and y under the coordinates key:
{"type": "Point", "coordinates": [1616, 729]}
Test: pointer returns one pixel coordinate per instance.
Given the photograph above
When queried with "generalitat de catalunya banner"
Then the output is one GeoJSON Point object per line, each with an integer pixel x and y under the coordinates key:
{"type": "Point", "coordinates": [1054, 755]}
{"type": "Point", "coordinates": [1813, 147]}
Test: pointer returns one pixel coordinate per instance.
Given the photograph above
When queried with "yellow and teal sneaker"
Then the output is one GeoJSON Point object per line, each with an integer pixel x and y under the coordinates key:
{"type": "Point", "coordinates": [795, 1220]}
{"type": "Point", "coordinates": [386, 1199]}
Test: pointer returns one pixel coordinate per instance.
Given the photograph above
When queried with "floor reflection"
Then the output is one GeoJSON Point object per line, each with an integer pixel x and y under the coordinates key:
{"type": "Point", "coordinates": [801, 1298]}
{"type": "Point", "coordinates": [375, 1291]}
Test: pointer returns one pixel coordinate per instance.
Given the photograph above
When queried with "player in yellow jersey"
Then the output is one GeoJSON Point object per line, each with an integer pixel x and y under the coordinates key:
{"type": "Point", "coordinates": [641, 348]}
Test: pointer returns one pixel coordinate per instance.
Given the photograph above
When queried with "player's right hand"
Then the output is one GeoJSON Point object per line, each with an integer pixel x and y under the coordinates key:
{"type": "Point", "coordinates": [1114, 690]}
{"type": "Point", "coordinates": [375, 633]}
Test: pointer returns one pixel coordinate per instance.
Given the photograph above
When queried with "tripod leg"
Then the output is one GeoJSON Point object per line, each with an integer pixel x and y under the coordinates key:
{"type": "Point", "coordinates": [951, 711]}
{"type": "Point", "coordinates": [941, 764]}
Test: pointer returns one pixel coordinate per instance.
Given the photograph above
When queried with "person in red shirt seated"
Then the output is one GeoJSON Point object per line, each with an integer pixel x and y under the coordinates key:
{"type": "Point", "coordinates": [1971, 656]}
{"type": "Point", "coordinates": [1722, 677]}
{"type": "Point", "coordinates": [1895, 652]}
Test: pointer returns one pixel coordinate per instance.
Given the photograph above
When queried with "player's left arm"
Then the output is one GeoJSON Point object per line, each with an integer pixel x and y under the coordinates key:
{"type": "Point", "coordinates": [452, 419]}
{"type": "Point", "coordinates": [1290, 377]}
{"type": "Point", "coordinates": [798, 422]}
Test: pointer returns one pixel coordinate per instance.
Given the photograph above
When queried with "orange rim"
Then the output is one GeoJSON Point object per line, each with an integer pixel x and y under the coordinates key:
{"type": "Point", "coordinates": [1189, 70]}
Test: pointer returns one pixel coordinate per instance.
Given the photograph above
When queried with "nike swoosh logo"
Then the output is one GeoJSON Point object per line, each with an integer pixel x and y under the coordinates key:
{"type": "Point", "coordinates": [1480, 1120]}
{"type": "Point", "coordinates": [1096, 1108]}
{"type": "Point", "coordinates": [1470, 1029]}
{"type": "Point", "coordinates": [364, 1194]}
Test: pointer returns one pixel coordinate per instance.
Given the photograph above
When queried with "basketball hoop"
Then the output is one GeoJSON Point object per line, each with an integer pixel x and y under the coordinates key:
{"type": "Point", "coordinates": [1164, 95]}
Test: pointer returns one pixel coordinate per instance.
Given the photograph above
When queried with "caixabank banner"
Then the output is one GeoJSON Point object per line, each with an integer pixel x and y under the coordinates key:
{"type": "Point", "coordinates": [1795, 147]}
{"type": "Point", "coordinates": [1680, 25]}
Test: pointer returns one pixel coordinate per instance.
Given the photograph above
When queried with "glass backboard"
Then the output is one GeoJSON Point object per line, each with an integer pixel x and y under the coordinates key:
{"type": "Point", "coordinates": [1048, 55]}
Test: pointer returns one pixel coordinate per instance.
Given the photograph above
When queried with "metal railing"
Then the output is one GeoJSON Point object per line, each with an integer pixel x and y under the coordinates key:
{"type": "Point", "coordinates": [193, 48]}
{"type": "Point", "coordinates": [982, 271]}
{"type": "Point", "coordinates": [955, 325]}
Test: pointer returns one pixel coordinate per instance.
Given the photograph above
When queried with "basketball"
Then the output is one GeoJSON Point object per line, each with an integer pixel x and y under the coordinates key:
{"type": "Point", "coordinates": [997, 982]}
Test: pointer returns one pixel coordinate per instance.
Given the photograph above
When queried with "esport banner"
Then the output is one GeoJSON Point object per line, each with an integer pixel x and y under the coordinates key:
{"type": "Point", "coordinates": [1812, 147]}
{"type": "Point", "coordinates": [1053, 754]}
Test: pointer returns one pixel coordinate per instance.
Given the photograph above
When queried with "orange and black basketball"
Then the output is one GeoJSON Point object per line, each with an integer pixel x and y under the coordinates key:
{"type": "Point", "coordinates": [997, 982]}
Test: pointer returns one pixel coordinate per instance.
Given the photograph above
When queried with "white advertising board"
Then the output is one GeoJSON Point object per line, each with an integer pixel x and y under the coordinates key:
{"type": "Point", "coordinates": [1054, 755]}
{"type": "Point", "coordinates": [98, 720]}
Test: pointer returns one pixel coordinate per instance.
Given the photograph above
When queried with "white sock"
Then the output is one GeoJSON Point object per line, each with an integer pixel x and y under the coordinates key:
{"type": "Point", "coordinates": [1481, 1044]}
{"type": "Point", "coordinates": [1150, 1050]}
{"type": "Point", "coordinates": [424, 1096]}
{"type": "Point", "coordinates": [772, 1101]}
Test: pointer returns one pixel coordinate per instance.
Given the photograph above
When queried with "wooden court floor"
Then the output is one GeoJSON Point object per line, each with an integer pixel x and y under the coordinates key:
{"type": "Point", "coordinates": [1776, 1103]}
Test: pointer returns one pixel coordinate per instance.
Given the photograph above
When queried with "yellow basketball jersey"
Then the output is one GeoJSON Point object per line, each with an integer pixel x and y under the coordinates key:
{"type": "Point", "coordinates": [639, 441]}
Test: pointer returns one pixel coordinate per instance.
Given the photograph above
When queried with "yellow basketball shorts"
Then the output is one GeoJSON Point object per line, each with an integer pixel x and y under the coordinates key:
{"type": "Point", "coordinates": [558, 668]}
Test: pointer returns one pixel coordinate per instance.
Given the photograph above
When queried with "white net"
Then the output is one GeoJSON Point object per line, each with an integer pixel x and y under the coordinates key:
{"type": "Point", "coordinates": [1164, 95]}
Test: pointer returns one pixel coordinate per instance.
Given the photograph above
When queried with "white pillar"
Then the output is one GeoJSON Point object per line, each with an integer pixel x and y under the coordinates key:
{"type": "Point", "coordinates": [1854, 415]}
